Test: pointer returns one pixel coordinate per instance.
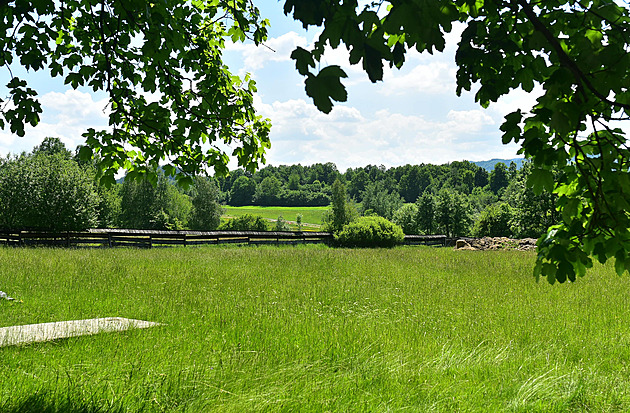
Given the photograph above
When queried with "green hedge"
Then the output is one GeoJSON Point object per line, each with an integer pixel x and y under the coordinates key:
{"type": "Point", "coordinates": [373, 231]}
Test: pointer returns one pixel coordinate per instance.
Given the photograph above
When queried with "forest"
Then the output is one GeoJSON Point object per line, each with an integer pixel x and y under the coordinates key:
{"type": "Point", "coordinates": [51, 188]}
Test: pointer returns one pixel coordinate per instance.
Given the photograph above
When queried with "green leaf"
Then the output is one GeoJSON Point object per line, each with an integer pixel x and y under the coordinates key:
{"type": "Point", "coordinates": [620, 262]}
{"type": "Point", "coordinates": [108, 180]}
{"type": "Point", "coordinates": [85, 153]}
{"type": "Point", "coordinates": [540, 180]}
{"type": "Point", "coordinates": [303, 60]}
{"type": "Point", "coordinates": [325, 87]}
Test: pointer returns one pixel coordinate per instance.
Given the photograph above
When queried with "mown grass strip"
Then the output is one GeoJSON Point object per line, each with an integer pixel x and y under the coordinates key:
{"type": "Point", "coordinates": [311, 216]}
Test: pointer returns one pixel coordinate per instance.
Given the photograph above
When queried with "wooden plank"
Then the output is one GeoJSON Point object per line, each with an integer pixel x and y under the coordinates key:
{"type": "Point", "coordinates": [167, 241]}
{"type": "Point", "coordinates": [102, 241]}
{"type": "Point", "coordinates": [233, 241]}
{"type": "Point", "coordinates": [130, 244]}
{"type": "Point", "coordinates": [203, 242]}
{"type": "Point", "coordinates": [130, 239]}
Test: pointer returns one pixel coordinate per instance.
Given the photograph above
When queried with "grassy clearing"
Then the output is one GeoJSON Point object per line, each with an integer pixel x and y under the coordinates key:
{"type": "Point", "coordinates": [311, 216]}
{"type": "Point", "coordinates": [314, 329]}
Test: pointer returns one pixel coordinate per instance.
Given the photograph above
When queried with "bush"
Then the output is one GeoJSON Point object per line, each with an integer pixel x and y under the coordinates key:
{"type": "Point", "coordinates": [372, 231]}
{"type": "Point", "coordinates": [281, 225]}
{"type": "Point", "coordinates": [247, 222]}
{"type": "Point", "coordinates": [46, 192]}
{"type": "Point", "coordinates": [494, 221]}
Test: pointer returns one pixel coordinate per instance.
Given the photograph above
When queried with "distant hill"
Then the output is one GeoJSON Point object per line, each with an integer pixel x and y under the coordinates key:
{"type": "Point", "coordinates": [489, 165]}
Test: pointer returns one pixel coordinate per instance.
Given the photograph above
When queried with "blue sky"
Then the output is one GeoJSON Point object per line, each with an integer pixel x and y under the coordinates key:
{"type": "Point", "coordinates": [413, 116]}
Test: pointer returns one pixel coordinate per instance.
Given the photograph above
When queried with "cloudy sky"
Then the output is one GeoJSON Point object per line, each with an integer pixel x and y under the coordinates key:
{"type": "Point", "coordinates": [413, 116]}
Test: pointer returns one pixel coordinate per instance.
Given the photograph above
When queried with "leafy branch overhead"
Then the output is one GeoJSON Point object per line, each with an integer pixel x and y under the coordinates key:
{"type": "Point", "coordinates": [171, 98]}
{"type": "Point", "coordinates": [574, 51]}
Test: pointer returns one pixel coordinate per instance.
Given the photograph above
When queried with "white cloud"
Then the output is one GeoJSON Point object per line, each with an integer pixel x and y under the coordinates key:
{"type": "Point", "coordinates": [65, 115]}
{"type": "Point", "coordinates": [277, 49]}
{"type": "Point", "coordinates": [517, 99]}
{"type": "Point", "coordinates": [433, 78]}
{"type": "Point", "coordinates": [350, 138]}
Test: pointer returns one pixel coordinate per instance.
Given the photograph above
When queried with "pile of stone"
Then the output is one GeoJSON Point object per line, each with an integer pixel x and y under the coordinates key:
{"type": "Point", "coordinates": [495, 243]}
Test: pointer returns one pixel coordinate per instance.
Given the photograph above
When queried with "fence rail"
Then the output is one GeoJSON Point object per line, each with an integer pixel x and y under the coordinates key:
{"type": "Point", "coordinates": [152, 238]}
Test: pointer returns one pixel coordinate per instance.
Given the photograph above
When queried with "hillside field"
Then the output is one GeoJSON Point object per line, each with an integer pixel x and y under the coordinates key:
{"type": "Point", "coordinates": [311, 216]}
{"type": "Point", "coordinates": [312, 329]}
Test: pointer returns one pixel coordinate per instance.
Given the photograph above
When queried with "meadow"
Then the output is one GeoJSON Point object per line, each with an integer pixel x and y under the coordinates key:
{"type": "Point", "coordinates": [311, 216]}
{"type": "Point", "coordinates": [313, 328]}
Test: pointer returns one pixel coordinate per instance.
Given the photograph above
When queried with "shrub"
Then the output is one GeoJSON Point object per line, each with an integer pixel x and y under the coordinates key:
{"type": "Point", "coordinates": [247, 222]}
{"type": "Point", "coordinates": [47, 192]}
{"type": "Point", "coordinates": [494, 221]}
{"type": "Point", "coordinates": [372, 231]}
{"type": "Point", "coordinates": [281, 225]}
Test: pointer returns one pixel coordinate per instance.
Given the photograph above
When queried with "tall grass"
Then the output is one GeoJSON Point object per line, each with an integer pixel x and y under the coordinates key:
{"type": "Point", "coordinates": [314, 329]}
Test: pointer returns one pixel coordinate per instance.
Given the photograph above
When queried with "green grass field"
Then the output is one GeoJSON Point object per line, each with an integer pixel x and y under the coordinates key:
{"type": "Point", "coordinates": [311, 216]}
{"type": "Point", "coordinates": [314, 329]}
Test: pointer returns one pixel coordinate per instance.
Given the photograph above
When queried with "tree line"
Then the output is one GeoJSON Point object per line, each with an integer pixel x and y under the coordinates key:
{"type": "Point", "coordinates": [51, 188]}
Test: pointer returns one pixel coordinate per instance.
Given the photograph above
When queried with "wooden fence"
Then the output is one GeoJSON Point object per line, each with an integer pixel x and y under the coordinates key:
{"type": "Point", "coordinates": [153, 238]}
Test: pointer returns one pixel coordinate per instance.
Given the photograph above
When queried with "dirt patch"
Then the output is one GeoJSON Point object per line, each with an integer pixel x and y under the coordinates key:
{"type": "Point", "coordinates": [495, 243]}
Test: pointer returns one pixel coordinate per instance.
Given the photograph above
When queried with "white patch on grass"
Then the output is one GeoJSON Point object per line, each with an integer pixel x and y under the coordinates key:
{"type": "Point", "coordinates": [32, 333]}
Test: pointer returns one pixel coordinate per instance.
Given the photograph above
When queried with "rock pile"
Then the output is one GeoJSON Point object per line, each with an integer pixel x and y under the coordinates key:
{"type": "Point", "coordinates": [495, 243]}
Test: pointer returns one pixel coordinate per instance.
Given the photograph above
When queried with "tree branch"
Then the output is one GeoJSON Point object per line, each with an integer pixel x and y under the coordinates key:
{"type": "Point", "coordinates": [581, 79]}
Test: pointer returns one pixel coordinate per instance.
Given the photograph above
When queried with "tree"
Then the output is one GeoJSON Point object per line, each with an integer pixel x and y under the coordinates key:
{"type": "Point", "coordinates": [242, 192]}
{"type": "Point", "coordinates": [533, 213]}
{"type": "Point", "coordinates": [338, 206]}
{"type": "Point", "coordinates": [108, 211]}
{"type": "Point", "coordinates": [206, 211]}
{"type": "Point", "coordinates": [575, 50]}
{"type": "Point", "coordinates": [380, 199]}
{"type": "Point", "coordinates": [341, 211]}
{"type": "Point", "coordinates": [171, 50]}
{"type": "Point", "coordinates": [46, 192]}
{"type": "Point", "coordinates": [52, 146]}
{"type": "Point", "coordinates": [406, 217]}
{"type": "Point", "coordinates": [426, 213]}
{"type": "Point", "coordinates": [452, 213]}
{"type": "Point", "coordinates": [145, 206]}
{"type": "Point", "coordinates": [411, 185]}
{"type": "Point", "coordinates": [294, 182]}
{"type": "Point", "coordinates": [494, 221]}
{"type": "Point", "coordinates": [481, 177]}
{"type": "Point", "coordinates": [358, 183]}
{"type": "Point", "coordinates": [498, 177]}
{"type": "Point", "coordinates": [268, 191]}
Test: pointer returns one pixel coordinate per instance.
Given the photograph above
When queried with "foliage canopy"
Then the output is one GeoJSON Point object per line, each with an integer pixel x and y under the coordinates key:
{"type": "Point", "coordinates": [172, 100]}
